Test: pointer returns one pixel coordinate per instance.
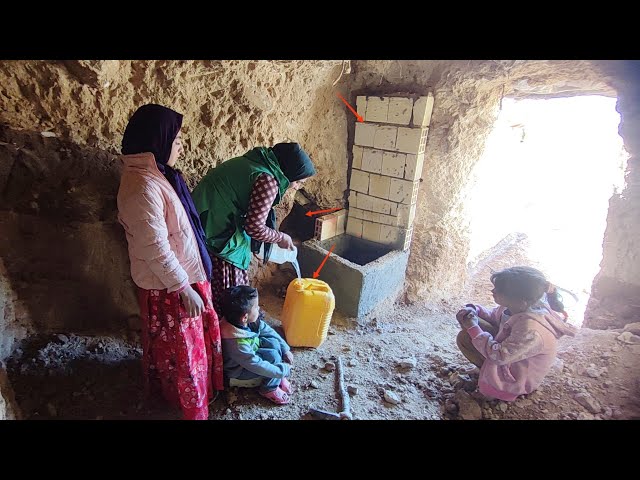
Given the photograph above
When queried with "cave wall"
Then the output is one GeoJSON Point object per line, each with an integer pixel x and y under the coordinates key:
{"type": "Point", "coordinates": [615, 294]}
{"type": "Point", "coordinates": [64, 256]}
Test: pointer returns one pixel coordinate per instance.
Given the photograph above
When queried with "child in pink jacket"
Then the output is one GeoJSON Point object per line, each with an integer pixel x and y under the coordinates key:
{"type": "Point", "coordinates": [515, 343]}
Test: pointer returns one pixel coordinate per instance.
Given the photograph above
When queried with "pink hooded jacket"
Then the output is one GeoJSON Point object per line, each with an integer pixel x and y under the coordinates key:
{"type": "Point", "coordinates": [521, 354]}
{"type": "Point", "coordinates": [162, 247]}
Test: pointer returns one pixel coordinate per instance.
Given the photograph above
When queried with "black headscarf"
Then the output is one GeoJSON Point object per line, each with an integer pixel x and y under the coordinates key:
{"type": "Point", "coordinates": [296, 165]}
{"type": "Point", "coordinates": [153, 128]}
{"type": "Point", "coordinates": [294, 161]}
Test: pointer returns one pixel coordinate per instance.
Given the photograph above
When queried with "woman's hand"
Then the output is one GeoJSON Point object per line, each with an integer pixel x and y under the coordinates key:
{"type": "Point", "coordinates": [286, 242]}
{"type": "Point", "coordinates": [467, 317]}
{"type": "Point", "coordinates": [193, 303]}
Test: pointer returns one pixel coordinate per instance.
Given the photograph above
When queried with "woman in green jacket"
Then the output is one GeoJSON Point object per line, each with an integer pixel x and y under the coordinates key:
{"type": "Point", "coordinates": [235, 202]}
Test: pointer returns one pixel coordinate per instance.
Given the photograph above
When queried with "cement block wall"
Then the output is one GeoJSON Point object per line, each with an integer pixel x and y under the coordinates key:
{"type": "Point", "coordinates": [388, 156]}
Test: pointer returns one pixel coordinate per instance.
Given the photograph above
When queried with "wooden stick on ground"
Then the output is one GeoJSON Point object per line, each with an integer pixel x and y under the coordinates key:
{"type": "Point", "coordinates": [345, 413]}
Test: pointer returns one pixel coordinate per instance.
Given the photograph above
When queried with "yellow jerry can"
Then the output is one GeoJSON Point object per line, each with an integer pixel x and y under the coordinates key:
{"type": "Point", "coordinates": [307, 312]}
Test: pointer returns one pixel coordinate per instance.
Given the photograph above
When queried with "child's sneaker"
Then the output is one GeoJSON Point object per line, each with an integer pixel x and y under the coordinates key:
{"type": "Point", "coordinates": [277, 396]}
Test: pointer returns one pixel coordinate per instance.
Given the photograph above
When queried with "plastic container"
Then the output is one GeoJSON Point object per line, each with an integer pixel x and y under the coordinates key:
{"type": "Point", "coordinates": [306, 315]}
{"type": "Point", "coordinates": [281, 255]}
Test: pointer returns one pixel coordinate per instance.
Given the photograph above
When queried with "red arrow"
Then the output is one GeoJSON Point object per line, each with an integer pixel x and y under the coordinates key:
{"type": "Point", "coordinates": [316, 274]}
{"type": "Point", "coordinates": [360, 119]}
{"type": "Point", "coordinates": [309, 214]}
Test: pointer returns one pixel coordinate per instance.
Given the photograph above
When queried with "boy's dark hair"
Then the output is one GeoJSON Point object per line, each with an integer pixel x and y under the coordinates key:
{"type": "Point", "coordinates": [528, 284]}
{"type": "Point", "coordinates": [236, 301]}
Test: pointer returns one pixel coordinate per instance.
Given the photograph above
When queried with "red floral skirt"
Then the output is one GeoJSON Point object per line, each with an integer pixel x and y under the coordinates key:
{"type": "Point", "coordinates": [181, 356]}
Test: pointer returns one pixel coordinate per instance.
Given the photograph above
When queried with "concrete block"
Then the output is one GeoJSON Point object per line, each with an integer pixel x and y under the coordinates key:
{"type": "Point", "coordinates": [377, 109]}
{"type": "Point", "coordinates": [403, 191]}
{"type": "Point", "coordinates": [372, 160]}
{"type": "Point", "coordinates": [414, 193]}
{"type": "Point", "coordinates": [341, 224]}
{"type": "Point", "coordinates": [393, 207]}
{"type": "Point", "coordinates": [357, 157]}
{"type": "Point", "coordinates": [400, 110]}
{"type": "Point", "coordinates": [411, 140]}
{"type": "Point", "coordinates": [388, 219]}
{"type": "Point", "coordinates": [413, 166]}
{"type": "Point", "coordinates": [356, 213]}
{"type": "Point", "coordinates": [361, 274]}
{"type": "Point", "coordinates": [365, 202]}
{"type": "Point", "coordinates": [393, 164]}
{"type": "Point", "coordinates": [354, 227]}
{"type": "Point", "coordinates": [405, 238]}
{"type": "Point", "coordinates": [361, 105]}
{"type": "Point", "coordinates": [371, 216]}
{"type": "Point", "coordinates": [423, 141]}
{"type": "Point", "coordinates": [389, 235]}
{"type": "Point", "coordinates": [380, 206]}
{"type": "Point", "coordinates": [374, 204]}
{"type": "Point", "coordinates": [325, 227]}
{"type": "Point", "coordinates": [379, 186]}
{"type": "Point", "coordinates": [353, 196]}
{"type": "Point", "coordinates": [422, 109]}
{"type": "Point", "coordinates": [371, 231]}
{"type": "Point", "coordinates": [385, 137]}
{"type": "Point", "coordinates": [395, 237]}
{"type": "Point", "coordinates": [359, 181]}
{"type": "Point", "coordinates": [406, 215]}
{"type": "Point", "coordinates": [365, 132]}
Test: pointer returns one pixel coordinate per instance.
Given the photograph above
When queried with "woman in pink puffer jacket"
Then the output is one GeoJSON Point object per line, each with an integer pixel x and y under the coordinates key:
{"type": "Point", "coordinates": [169, 264]}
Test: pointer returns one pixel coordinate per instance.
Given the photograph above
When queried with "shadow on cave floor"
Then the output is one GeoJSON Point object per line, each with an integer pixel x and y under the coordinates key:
{"type": "Point", "coordinates": [81, 378]}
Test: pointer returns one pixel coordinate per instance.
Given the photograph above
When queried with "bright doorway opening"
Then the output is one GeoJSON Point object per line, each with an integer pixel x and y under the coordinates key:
{"type": "Point", "coordinates": [544, 183]}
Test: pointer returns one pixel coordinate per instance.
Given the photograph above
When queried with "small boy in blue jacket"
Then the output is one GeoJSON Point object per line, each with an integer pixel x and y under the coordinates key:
{"type": "Point", "coordinates": [254, 355]}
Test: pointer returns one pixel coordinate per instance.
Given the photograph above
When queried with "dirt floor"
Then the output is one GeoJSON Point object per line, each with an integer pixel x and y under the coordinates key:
{"type": "Point", "coordinates": [410, 359]}
{"type": "Point", "coordinates": [400, 362]}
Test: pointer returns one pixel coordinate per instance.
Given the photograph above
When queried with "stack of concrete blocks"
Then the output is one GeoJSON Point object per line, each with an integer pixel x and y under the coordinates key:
{"type": "Point", "coordinates": [388, 154]}
{"type": "Point", "coordinates": [331, 225]}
